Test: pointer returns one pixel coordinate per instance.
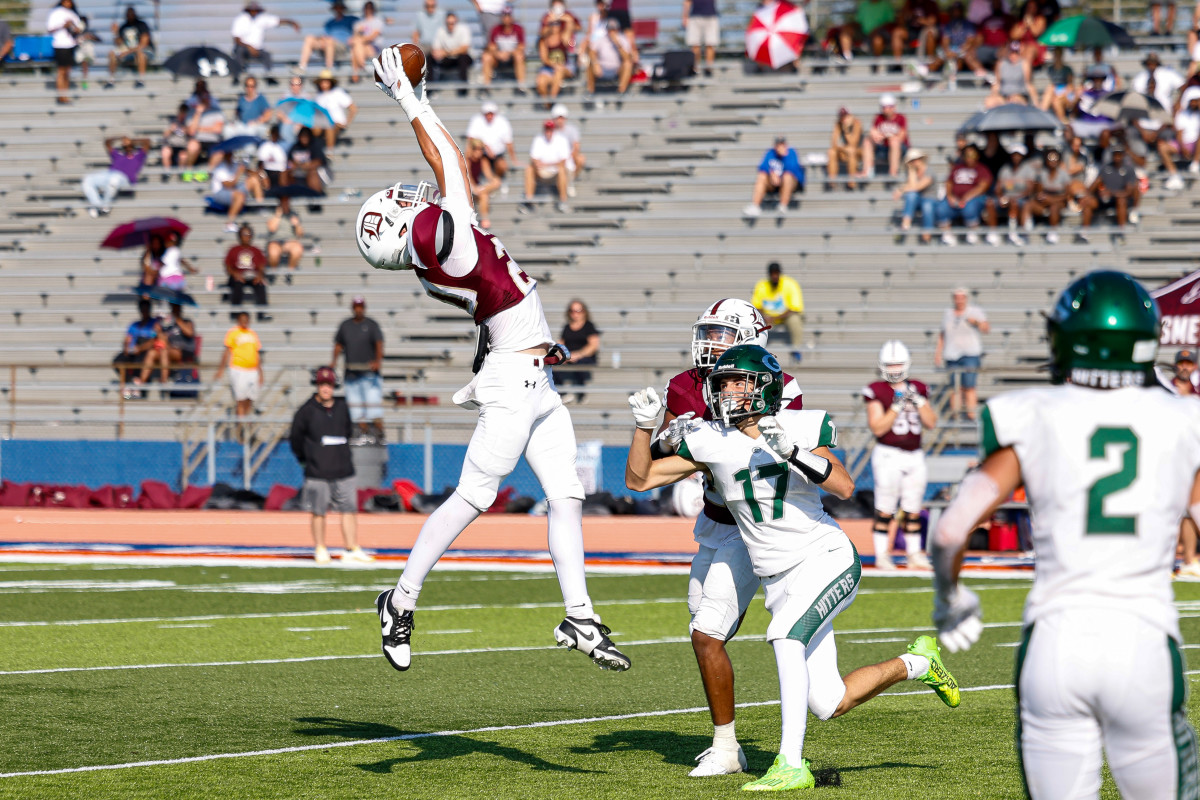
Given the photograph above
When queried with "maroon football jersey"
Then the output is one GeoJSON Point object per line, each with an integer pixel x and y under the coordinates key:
{"type": "Point", "coordinates": [685, 393]}
{"type": "Point", "coordinates": [494, 284]}
{"type": "Point", "coordinates": [906, 430]}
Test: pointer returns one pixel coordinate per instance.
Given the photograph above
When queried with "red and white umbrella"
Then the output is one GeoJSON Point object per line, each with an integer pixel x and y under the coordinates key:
{"type": "Point", "coordinates": [776, 34]}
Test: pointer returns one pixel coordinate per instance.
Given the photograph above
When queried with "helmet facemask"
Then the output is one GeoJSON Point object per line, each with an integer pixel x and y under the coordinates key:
{"type": "Point", "coordinates": [894, 373]}
{"type": "Point", "coordinates": [710, 340]}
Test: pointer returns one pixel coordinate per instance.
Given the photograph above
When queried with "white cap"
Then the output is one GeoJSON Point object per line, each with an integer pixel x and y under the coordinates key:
{"type": "Point", "coordinates": [559, 110]}
{"type": "Point", "coordinates": [1018, 148]}
{"type": "Point", "coordinates": [887, 100]}
{"type": "Point", "coordinates": [489, 107]}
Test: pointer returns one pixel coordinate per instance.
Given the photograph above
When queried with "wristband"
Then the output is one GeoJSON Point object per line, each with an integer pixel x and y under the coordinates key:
{"type": "Point", "coordinates": [810, 465]}
{"type": "Point", "coordinates": [657, 450]}
{"type": "Point", "coordinates": [411, 106]}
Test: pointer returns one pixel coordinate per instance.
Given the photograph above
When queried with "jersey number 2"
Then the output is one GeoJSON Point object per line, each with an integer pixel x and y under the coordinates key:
{"type": "Point", "coordinates": [1097, 521]}
{"type": "Point", "coordinates": [777, 470]}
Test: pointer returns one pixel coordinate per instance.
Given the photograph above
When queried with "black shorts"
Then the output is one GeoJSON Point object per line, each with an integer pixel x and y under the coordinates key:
{"type": "Point", "coordinates": [622, 18]}
{"type": "Point", "coordinates": [64, 57]}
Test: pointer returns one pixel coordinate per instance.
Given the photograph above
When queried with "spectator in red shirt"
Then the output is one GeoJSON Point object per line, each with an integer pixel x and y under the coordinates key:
{"type": "Point", "coordinates": [888, 136]}
{"type": "Point", "coordinates": [506, 45]}
{"type": "Point", "coordinates": [246, 267]}
{"type": "Point", "coordinates": [966, 196]}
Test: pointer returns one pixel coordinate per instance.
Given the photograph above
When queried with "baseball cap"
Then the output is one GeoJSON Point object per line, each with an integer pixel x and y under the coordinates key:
{"type": "Point", "coordinates": [559, 110]}
{"type": "Point", "coordinates": [325, 375]}
{"type": "Point", "coordinates": [780, 140]}
{"type": "Point", "coordinates": [489, 107]}
{"type": "Point", "coordinates": [843, 111]}
{"type": "Point", "coordinates": [549, 125]}
{"type": "Point", "coordinates": [913, 155]}
{"type": "Point", "coordinates": [253, 6]}
{"type": "Point", "coordinates": [887, 100]}
{"type": "Point", "coordinates": [1185, 355]}
{"type": "Point", "coordinates": [1014, 47]}
{"type": "Point", "coordinates": [1018, 148]}
{"type": "Point", "coordinates": [358, 300]}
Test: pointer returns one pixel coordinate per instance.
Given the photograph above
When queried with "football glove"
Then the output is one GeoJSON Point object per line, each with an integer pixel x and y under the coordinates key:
{"type": "Point", "coordinates": [676, 429]}
{"type": "Point", "coordinates": [646, 407]}
{"type": "Point", "coordinates": [918, 399]}
{"type": "Point", "coordinates": [776, 436]}
{"type": "Point", "coordinates": [958, 618]}
{"type": "Point", "coordinates": [395, 84]}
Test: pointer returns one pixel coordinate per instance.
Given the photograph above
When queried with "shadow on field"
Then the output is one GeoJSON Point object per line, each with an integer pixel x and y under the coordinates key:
{"type": "Point", "coordinates": [675, 748]}
{"type": "Point", "coordinates": [422, 747]}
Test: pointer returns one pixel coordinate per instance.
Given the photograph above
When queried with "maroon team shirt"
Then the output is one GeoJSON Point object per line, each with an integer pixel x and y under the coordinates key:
{"type": "Point", "coordinates": [906, 430]}
{"type": "Point", "coordinates": [994, 30]}
{"type": "Point", "coordinates": [491, 281]}
{"type": "Point", "coordinates": [964, 179]}
{"type": "Point", "coordinates": [891, 127]}
{"type": "Point", "coordinates": [508, 41]}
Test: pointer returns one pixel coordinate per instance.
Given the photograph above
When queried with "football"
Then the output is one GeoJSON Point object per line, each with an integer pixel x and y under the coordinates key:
{"type": "Point", "coordinates": [412, 58]}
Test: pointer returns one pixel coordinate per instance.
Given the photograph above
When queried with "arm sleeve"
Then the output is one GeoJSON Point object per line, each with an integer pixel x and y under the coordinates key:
{"type": "Point", "coordinates": [456, 197]}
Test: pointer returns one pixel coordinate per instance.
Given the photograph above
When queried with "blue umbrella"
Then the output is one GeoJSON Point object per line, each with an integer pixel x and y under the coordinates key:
{"type": "Point", "coordinates": [235, 143]}
{"type": "Point", "coordinates": [304, 112]}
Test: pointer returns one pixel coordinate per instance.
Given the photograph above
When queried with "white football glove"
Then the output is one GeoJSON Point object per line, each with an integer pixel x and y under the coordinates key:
{"type": "Point", "coordinates": [676, 429]}
{"type": "Point", "coordinates": [958, 618]}
{"type": "Point", "coordinates": [776, 437]}
{"type": "Point", "coordinates": [646, 407]}
{"type": "Point", "coordinates": [392, 81]}
{"type": "Point", "coordinates": [919, 400]}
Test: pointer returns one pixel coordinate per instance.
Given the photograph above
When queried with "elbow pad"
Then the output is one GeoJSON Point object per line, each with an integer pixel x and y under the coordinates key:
{"type": "Point", "coordinates": [814, 467]}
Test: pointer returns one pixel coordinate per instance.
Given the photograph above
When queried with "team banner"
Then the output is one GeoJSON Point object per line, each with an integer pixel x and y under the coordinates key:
{"type": "Point", "coordinates": [1180, 306]}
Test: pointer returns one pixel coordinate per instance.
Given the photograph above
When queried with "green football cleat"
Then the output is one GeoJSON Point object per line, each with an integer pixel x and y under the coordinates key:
{"type": "Point", "coordinates": [780, 777]}
{"type": "Point", "coordinates": [937, 677]}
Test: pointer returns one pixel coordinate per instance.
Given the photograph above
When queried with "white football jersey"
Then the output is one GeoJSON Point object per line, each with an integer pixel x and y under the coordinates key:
{"type": "Point", "coordinates": [1108, 475]}
{"type": "Point", "coordinates": [777, 509]}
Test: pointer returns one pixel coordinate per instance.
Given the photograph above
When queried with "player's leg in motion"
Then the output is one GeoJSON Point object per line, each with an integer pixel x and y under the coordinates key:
{"type": "Point", "coordinates": [720, 588]}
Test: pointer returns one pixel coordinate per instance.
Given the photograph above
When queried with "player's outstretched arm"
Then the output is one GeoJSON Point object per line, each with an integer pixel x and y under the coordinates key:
{"type": "Point", "coordinates": [643, 472]}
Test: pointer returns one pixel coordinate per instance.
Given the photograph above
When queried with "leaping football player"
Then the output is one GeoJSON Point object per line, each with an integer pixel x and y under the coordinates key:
{"type": "Point", "coordinates": [1110, 461]}
{"type": "Point", "coordinates": [897, 410]}
{"type": "Point", "coordinates": [767, 464]}
{"type": "Point", "coordinates": [411, 228]}
{"type": "Point", "coordinates": [722, 581]}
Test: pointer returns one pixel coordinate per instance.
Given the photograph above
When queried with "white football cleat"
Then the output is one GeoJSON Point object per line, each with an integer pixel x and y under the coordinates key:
{"type": "Point", "coordinates": [396, 629]}
{"type": "Point", "coordinates": [590, 637]}
{"type": "Point", "coordinates": [715, 761]}
{"type": "Point", "coordinates": [357, 556]}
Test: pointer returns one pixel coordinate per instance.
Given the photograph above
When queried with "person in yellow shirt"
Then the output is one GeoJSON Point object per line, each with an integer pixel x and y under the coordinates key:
{"type": "Point", "coordinates": [780, 300]}
{"type": "Point", "coordinates": [245, 367]}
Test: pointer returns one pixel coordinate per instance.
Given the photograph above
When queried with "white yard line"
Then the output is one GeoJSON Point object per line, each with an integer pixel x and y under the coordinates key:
{"type": "Point", "coordinates": [326, 628]}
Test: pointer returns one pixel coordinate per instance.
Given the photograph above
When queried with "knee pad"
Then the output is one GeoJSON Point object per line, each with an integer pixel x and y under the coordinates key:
{"type": "Point", "coordinates": [912, 523]}
{"type": "Point", "coordinates": [481, 496]}
{"type": "Point", "coordinates": [823, 701]}
{"type": "Point", "coordinates": [882, 521]}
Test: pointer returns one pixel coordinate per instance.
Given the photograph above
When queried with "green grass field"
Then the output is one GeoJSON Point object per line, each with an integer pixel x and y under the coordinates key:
{"type": "Point", "coordinates": [270, 680]}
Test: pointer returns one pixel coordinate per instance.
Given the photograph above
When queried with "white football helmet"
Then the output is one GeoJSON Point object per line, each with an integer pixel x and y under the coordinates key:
{"type": "Point", "coordinates": [894, 361]}
{"type": "Point", "coordinates": [722, 325]}
{"type": "Point", "coordinates": [383, 223]}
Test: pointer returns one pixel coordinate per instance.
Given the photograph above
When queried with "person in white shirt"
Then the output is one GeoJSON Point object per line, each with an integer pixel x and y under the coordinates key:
{"type": "Point", "coordinates": [1166, 81]}
{"type": "Point", "coordinates": [364, 43]}
{"type": "Point", "coordinates": [227, 189]}
{"type": "Point", "coordinates": [575, 165]}
{"type": "Point", "coordinates": [612, 59]}
{"type": "Point", "coordinates": [249, 32]}
{"type": "Point", "coordinates": [338, 103]}
{"type": "Point", "coordinates": [63, 25]}
{"type": "Point", "coordinates": [1187, 128]}
{"type": "Point", "coordinates": [171, 271]}
{"type": "Point", "coordinates": [494, 130]}
{"type": "Point", "coordinates": [452, 50]}
{"type": "Point", "coordinates": [549, 155]}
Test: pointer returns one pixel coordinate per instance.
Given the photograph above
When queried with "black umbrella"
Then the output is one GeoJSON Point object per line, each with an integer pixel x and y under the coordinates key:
{"type": "Point", "coordinates": [1010, 117]}
{"type": "Point", "coordinates": [203, 62]}
{"type": "Point", "coordinates": [1128, 106]}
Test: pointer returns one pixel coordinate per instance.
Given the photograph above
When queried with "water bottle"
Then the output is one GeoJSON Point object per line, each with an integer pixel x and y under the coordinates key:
{"type": "Point", "coordinates": [616, 360]}
{"type": "Point", "coordinates": [952, 83]}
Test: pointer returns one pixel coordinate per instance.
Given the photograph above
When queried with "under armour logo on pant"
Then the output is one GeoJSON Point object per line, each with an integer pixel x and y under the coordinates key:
{"type": "Point", "coordinates": [530, 384]}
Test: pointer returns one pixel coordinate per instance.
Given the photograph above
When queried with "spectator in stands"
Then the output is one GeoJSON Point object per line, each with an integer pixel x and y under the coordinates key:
{"type": "Point", "coordinates": [1162, 83]}
{"type": "Point", "coordinates": [582, 340]}
{"type": "Point", "coordinates": [205, 128]}
{"type": "Point", "coordinates": [430, 20]}
{"type": "Point", "coordinates": [1187, 128]}
{"type": "Point", "coordinates": [1051, 193]}
{"type": "Point", "coordinates": [1080, 167]}
{"type": "Point", "coordinates": [271, 164]}
{"type": "Point", "coordinates": [174, 346]}
{"type": "Point", "coordinates": [966, 195]}
{"type": "Point", "coordinates": [173, 265]}
{"type": "Point", "coordinates": [888, 137]}
{"type": "Point", "coordinates": [702, 29]}
{"type": "Point", "coordinates": [1184, 377]}
{"type": "Point", "coordinates": [360, 339]}
{"type": "Point", "coordinates": [1013, 80]}
{"type": "Point", "coordinates": [1115, 188]}
{"type": "Point", "coordinates": [200, 92]}
{"type": "Point", "coordinates": [875, 19]}
{"type": "Point", "coordinates": [993, 155]}
{"type": "Point", "coordinates": [364, 42]}
{"type": "Point", "coordinates": [570, 23]}
{"type": "Point", "coordinates": [333, 41]}
{"type": "Point", "coordinates": [131, 45]}
{"type": "Point", "coordinates": [125, 164]}
{"type": "Point", "coordinates": [495, 132]}
{"type": "Point", "coordinates": [993, 36]}
{"type": "Point", "coordinates": [151, 262]}
{"type": "Point", "coordinates": [228, 188]}
{"type": "Point", "coordinates": [960, 349]}
{"type": "Point", "coordinates": [452, 50]}
{"type": "Point", "coordinates": [1140, 138]}
{"type": "Point", "coordinates": [779, 173]}
{"type": "Point", "coordinates": [64, 26]}
{"type": "Point", "coordinates": [1112, 80]}
{"type": "Point", "coordinates": [959, 39]}
{"type": "Point", "coordinates": [6, 42]}
{"type": "Point", "coordinates": [916, 24]}
{"type": "Point", "coordinates": [1063, 92]}
{"type": "Point", "coordinates": [139, 340]}
{"type": "Point", "coordinates": [845, 144]}
{"type": "Point", "coordinates": [85, 50]}
{"type": "Point", "coordinates": [575, 166]}
{"type": "Point", "coordinates": [306, 161]}
{"type": "Point", "coordinates": [505, 46]}
{"type": "Point", "coordinates": [549, 155]}
{"type": "Point", "coordinates": [780, 300]}
{"type": "Point", "coordinates": [245, 268]}
{"type": "Point", "coordinates": [253, 112]}
{"type": "Point", "coordinates": [243, 357]}
{"type": "Point", "coordinates": [918, 193]}
{"type": "Point", "coordinates": [611, 57]}
{"type": "Point", "coordinates": [277, 249]}
{"type": "Point", "coordinates": [338, 103]}
{"type": "Point", "coordinates": [1026, 31]}
{"type": "Point", "coordinates": [556, 63]}
{"type": "Point", "coordinates": [484, 180]}
{"type": "Point", "coordinates": [249, 31]}
{"type": "Point", "coordinates": [320, 440]}
{"type": "Point", "coordinates": [618, 12]}
{"type": "Point", "coordinates": [1156, 17]}
{"type": "Point", "coordinates": [1015, 183]}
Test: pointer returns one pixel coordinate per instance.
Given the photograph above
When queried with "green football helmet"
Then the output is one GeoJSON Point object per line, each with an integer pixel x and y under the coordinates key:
{"type": "Point", "coordinates": [1104, 332]}
{"type": "Point", "coordinates": [763, 375]}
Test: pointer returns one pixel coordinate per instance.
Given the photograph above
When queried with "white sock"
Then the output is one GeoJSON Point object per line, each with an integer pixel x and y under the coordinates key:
{"type": "Point", "coordinates": [793, 697]}
{"type": "Point", "coordinates": [881, 545]}
{"type": "Point", "coordinates": [724, 737]}
{"type": "Point", "coordinates": [437, 534]}
{"type": "Point", "coordinates": [912, 542]}
{"type": "Point", "coordinates": [916, 665]}
{"type": "Point", "coordinates": [565, 537]}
